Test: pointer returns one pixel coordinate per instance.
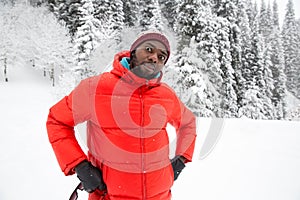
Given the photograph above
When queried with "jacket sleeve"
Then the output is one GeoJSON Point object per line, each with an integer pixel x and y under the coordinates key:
{"type": "Point", "coordinates": [184, 122]}
{"type": "Point", "coordinates": [62, 118]}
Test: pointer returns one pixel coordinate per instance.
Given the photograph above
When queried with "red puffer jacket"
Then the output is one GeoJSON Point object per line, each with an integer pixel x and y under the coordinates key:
{"type": "Point", "coordinates": [126, 132]}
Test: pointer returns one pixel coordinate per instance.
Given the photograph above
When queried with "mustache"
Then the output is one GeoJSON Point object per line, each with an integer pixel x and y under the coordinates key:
{"type": "Point", "coordinates": [148, 64]}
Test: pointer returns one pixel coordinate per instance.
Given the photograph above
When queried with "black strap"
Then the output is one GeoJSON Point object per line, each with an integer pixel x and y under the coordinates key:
{"type": "Point", "coordinates": [74, 195]}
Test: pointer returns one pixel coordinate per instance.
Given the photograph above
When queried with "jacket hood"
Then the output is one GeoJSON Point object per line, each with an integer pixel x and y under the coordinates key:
{"type": "Point", "coordinates": [127, 75]}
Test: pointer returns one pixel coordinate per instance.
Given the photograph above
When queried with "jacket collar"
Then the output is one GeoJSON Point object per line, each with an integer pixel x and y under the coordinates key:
{"type": "Point", "coordinates": [127, 75]}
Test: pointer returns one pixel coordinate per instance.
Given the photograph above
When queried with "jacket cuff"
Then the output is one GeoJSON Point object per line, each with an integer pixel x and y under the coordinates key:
{"type": "Point", "coordinates": [70, 168]}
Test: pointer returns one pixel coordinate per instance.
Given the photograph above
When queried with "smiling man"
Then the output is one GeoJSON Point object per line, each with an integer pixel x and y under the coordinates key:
{"type": "Point", "coordinates": [127, 111]}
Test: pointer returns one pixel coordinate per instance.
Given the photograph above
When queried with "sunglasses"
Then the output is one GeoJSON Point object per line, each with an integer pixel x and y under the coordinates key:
{"type": "Point", "coordinates": [74, 195]}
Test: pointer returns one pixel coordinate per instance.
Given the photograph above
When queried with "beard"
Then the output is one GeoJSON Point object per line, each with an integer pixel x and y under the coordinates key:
{"type": "Point", "coordinates": [144, 69]}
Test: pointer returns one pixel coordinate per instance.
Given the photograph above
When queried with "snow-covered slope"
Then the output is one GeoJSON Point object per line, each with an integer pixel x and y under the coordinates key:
{"type": "Point", "coordinates": [251, 160]}
{"type": "Point", "coordinates": [28, 168]}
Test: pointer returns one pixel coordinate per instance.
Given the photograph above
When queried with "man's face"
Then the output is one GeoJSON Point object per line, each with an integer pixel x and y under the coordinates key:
{"type": "Point", "coordinates": [149, 59]}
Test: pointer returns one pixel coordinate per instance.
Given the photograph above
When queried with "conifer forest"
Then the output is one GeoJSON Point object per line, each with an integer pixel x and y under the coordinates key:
{"type": "Point", "coordinates": [230, 58]}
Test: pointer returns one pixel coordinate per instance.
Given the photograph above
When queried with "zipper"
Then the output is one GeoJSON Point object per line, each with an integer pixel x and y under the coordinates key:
{"type": "Point", "coordinates": [142, 143]}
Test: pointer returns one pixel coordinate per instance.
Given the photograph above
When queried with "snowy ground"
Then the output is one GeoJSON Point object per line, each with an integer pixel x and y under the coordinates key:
{"type": "Point", "coordinates": [252, 160]}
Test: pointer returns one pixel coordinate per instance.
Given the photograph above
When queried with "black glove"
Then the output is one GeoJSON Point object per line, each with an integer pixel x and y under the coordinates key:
{"type": "Point", "coordinates": [177, 165]}
{"type": "Point", "coordinates": [90, 177]}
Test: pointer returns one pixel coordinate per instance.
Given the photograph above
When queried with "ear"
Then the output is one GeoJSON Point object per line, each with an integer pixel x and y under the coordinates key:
{"type": "Point", "coordinates": [132, 54]}
{"type": "Point", "coordinates": [132, 59]}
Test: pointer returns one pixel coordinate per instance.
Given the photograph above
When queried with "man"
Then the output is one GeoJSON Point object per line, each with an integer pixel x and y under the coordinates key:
{"type": "Point", "coordinates": [126, 110]}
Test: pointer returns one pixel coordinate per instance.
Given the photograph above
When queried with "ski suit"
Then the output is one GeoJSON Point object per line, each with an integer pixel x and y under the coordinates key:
{"type": "Point", "coordinates": [126, 132]}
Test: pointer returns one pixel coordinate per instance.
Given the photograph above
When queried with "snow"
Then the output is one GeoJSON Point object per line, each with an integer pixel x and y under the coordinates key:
{"type": "Point", "coordinates": [251, 159]}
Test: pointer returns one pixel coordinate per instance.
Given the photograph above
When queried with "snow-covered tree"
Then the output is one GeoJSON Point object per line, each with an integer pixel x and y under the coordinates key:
{"type": "Point", "coordinates": [279, 91]}
{"type": "Point", "coordinates": [251, 10]}
{"type": "Point", "coordinates": [226, 51]}
{"type": "Point", "coordinates": [230, 58]}
{"type": "Point", "coordinates": [207, 38]}
{"type": "Point", "coordinates": [297, 62]}
{"type": "Point", "coordinates": [39, 38]}
{"type": "Point", "coordinates": [7, 45]}
{"type": "Point", "coordinates": [252, 105]}
{"type": "Point", "coordinates": [87, 37]}
{"type": "Point", "coordinates": [275, 17]}
{"type": "Point", "coordinates": [267, 84]}
{"type": "Point", "coordinates": [246, 50]}
{"type": "Point", "coordinates": [53, 52]}
{"type": "Point", "coordinates": [116, 20]}
{"type": "Point", "coordinates": [279, 77]}
{"type": "Point", "coordinates": [294, 114]}
{"type": "Point", "coordinates": [7, 2]}
{"type": "Point", "coordinates": [112, 18]}
{"type": "Point", "coordinates": [150, 15]}
{"type": "Point", "coordinates": [265, 20]}
{"type": "Point", "coordinates": [291, 45]}
{"type": "Point", "coordinates": [187, 22]}
{"type": "Point", "coordinates": [226, 9]}
{"type": "Point", "coordinates": [130, 9]}
{"type": "Point", "coordinates": [102, 12]}
{"type": "Point", "coordinates": [193, 84]}
{"type": "Point", "coordinates": [229, 107]}
{"type": "Point", "coordinates": [213, 38]}
{"type": "Point", "coordinates": [169, 10]}
{"type": "Point", "coordinates": [68, 12]}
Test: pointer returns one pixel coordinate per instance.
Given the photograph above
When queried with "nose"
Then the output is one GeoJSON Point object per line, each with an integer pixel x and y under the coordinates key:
{"type": "Point", "coordinates": [153, 57]}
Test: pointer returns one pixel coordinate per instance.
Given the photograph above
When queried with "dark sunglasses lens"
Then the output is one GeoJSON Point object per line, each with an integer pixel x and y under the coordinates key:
{"type": "Point", "coordinates": [74, 195]}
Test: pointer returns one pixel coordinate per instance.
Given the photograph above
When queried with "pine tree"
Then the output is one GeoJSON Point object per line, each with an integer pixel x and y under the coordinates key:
{"type": "Point", "coordinates": [246, 51]}
{"type": "Point", "coordinates": [297, 61]}
{"type": "Point", "coordinates": [229, 42]}
{"type": "Point", "coordinates": [277, 68]}
{"type": "Point", "coordinates": [111, 17]}
{"type": "Point", "coordinates": [229, 106]}
{"type": "Point", "coordinates": [195, 87]}
{"type": "Point", "coordinates": [267, 84]}
{"type": "Point", "coordinates": [250, 10]}
{"type": "Point", "coordinates": [252, 103]}
{"type": "Point", "coordinates": [102, 12]}
{"type": "Point", "coordinates": [263, 19]}
{"type": "Point", "coordinates": [8, 2]}
{"type": "Point", "coordinates": [87, 37]}
{"type": "Point", "coordinates": [291, 45]}
{"type": "Point", "coordinates": [67, 11]}
{"type": "Point", "coordinates": [130, 9]}
{"type": "Point", "coordinates": [275, 18]}
{"type": "Point", "coordinates": [279, 77]}
{"type": "Point", "coordinates": [52, 6]}
{"type": "Point", "coordinates": [169, 10]}
{"type": "Point", "coordinates": [150, 15]}
{"type": "Point", "coordinates": [207, 38]}
{"type": "Point", "coordinates": [187, 22]}
{"type": "Point", "coordinates": [116, 19]}
{"type": "Point", "coordinates": [226, 9]}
